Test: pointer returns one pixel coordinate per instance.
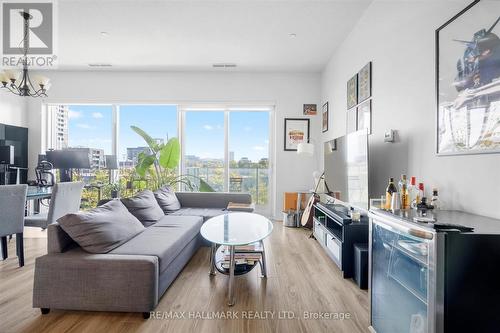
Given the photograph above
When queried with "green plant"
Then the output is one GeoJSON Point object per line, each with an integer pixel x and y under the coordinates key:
{"type": "Point", "coordinates": [158, 166]}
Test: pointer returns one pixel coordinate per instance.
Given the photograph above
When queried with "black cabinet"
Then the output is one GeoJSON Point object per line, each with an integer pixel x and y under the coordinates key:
{"type": "Point", "coordinates": [337, 234]}
{"type": "Point", "coordinates": [17, 137]}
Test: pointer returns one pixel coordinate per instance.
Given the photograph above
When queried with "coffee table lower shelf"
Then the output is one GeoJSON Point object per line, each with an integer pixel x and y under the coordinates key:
{"type": "Point", "coordinates": [238, 269]}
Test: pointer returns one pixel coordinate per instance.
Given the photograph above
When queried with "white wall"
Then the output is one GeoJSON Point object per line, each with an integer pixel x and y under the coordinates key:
{"type": "Point", "coordinates": [12, 109]}
{"type": "Point", "coordinates": [285, 90]}
{"type": "Point", "coordinates": [398, 37]}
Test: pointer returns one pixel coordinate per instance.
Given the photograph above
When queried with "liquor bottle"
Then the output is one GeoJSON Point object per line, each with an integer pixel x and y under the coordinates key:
{"type": "Point", "coordinates": [435, 202]}
{"type": "Point", "coordinates": [405, 197]}
{"type": "Point", "coordinates": [402, 181]}
{"type": "Point", "coordinates": [391, 188]}
{"type": "Point", "coordinates": [413, 192]}
{"type": "Point", "coordinates": [421, 193]}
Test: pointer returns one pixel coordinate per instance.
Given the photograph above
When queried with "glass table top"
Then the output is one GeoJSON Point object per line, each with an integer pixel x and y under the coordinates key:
{"type": "Point", "coordinates": [236, 229]}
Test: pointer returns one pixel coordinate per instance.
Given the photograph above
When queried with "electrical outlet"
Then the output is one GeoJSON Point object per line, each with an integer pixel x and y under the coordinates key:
{"type": "Point", "coordinates": [389, 136]}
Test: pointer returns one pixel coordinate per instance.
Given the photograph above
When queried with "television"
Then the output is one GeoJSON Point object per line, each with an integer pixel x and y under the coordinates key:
{"type": "Point", "coordinates": [69, 158]}
{"type": "Point", "coordinates": [346, 169]}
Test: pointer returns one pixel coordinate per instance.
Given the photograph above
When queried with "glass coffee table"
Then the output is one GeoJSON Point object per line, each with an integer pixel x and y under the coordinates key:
{"type": "Point", "coordinates": [235, 236]}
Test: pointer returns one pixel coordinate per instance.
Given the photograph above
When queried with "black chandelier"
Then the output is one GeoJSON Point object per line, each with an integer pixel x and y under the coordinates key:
{"type": "Point", "coordinates": [20, 83]}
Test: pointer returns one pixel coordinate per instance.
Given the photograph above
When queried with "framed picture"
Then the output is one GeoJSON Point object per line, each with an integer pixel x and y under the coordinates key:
{"type": "Point", "coordinates": [352, 91]}
{"type": "Point", "coordinates": [365, 83]}
{"type": "Point", "coordinates": [324, 120]}
{"type": "Point", "coordinates": [296, 131]}
{"type": "Point", "coordinates": [364, 116]}
{"type": "Point", "coordinates": [310, 109]}
{"type": "Point", "coordinates": [468, 81]}
{"type": "Point", "coordinates": [352, 121]}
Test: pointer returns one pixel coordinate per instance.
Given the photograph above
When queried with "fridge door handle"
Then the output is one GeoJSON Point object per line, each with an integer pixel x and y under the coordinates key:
{"type": "Point", "coordinates": [398, 226]}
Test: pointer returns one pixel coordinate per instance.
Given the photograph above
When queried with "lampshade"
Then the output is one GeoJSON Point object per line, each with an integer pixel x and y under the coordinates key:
{"type": "Point", "coordinates": [305, 149]}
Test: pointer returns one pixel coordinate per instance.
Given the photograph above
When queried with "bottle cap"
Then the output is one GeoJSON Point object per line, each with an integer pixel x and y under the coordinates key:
{"type": "Point", "coordinates": [434, 191]}
{"type": "Point", "coordinates": [413, 180]}
{"type": "Point", "coordinates": [421, 186]}
{"type": "Point", "coordinates": [403, 176]}
{"type": "Point", "coordinates": [391, 180]}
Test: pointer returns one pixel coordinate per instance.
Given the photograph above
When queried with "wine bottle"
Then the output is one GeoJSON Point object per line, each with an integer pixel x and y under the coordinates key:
{"type": "Point", "coordinates": [391, 188]}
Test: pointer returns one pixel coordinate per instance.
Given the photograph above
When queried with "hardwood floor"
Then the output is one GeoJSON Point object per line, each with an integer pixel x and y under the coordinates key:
{"type": "Point", "coordinates": [300, 278]}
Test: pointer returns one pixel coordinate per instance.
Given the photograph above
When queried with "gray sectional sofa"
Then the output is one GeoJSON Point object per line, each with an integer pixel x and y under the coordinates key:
{"type": "Point", "coordinates": [133, 276]}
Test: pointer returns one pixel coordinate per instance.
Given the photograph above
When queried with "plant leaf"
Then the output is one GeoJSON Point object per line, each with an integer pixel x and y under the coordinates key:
{"type": "Point", "coordinates": [170, 154]}
{"type": "Point", "coordinates": [205, 187]}
{"type": "Point", "coordinates": [144, 164]}
{"type": "Point", "coordinates": [149, 140]}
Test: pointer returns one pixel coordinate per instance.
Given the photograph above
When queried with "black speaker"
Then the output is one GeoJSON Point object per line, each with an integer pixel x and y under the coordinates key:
{"type": "Point", "coordinates": [6, 154]}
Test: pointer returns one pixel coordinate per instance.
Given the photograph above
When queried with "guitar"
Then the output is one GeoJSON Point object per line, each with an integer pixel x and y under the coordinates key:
{"type": "Point", "coordinates": [307, 217]}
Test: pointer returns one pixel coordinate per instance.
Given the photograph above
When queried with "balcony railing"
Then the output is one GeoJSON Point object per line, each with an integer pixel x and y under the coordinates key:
{"type": "Point", "coordinates": [253, 180]}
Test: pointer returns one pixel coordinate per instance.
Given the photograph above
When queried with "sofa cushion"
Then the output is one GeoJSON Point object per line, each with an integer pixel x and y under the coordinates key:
{"type": "Point", "coordinates": [167, 200]}
{"type": "Point", "coordinates": [101, 229]}
{"type": "Point", "coordinates": [165, 240]}
{"type": "Point", "coordinates": [143, 205]}
{"type": "Point", "coordinates": [206, 213]}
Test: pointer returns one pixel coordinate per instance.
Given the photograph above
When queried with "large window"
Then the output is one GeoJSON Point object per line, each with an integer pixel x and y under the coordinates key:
{"type": "Point", "coordinates": [223, 148]}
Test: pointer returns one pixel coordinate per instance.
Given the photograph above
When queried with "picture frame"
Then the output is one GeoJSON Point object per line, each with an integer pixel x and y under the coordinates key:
{"type": "Point", "coordinates": [365, 83]}
{"type": "Point", "coordinates": [324, 117]}
{"type": "Point", "coordinates": [352, 120]}
{"type": "Point", "coordinates": [352, 91]}
{"type": "Point", "coordinates": [297, 130]}
{"type": "Point", "coordinates": [310, 109]}
{"type": "Point", "coordinates": [364, 116]}
{"type": "Point", "coordinates": [468, 81]}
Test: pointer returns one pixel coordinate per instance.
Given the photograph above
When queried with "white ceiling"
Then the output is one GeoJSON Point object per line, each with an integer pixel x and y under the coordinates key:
{"type": "Point", "coordinates": [192, 35]}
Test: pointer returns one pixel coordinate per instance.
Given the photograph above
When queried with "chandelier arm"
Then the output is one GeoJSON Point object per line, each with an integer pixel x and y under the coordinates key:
{"type": "Point", "coordinates": [15, 92]}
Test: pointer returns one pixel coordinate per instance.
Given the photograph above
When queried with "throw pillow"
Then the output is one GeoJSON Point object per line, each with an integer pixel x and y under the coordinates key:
{"type": "Point", "coordinates": [144, 206]}
{"type": "Point", "coordinates": [167, 200]}
{"type": "Point", "coordinates": [101, 229]}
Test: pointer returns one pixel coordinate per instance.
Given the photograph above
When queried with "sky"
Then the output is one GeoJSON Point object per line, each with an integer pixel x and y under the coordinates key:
{"type": "Point", "coordinates": [91, 126]}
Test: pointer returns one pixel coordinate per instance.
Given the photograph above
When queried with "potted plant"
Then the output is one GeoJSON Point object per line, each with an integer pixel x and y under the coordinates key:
{"type": "Point", "coordinates": [115, 190]}
{"type": "Point", "coordinates": [157, 167]}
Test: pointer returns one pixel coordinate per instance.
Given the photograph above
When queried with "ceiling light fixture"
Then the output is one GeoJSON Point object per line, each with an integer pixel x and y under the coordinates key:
{"type": "Point", "coordinates": [292, 35]}
{"type": "Point", "coordinates": [104, 33]}
{"type": "Point", "coordinates": [20, 83]}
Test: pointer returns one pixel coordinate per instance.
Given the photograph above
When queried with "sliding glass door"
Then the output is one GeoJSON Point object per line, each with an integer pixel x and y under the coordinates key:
{"type": "Point", "coordinates": [203, 142]}
{"type": "Point", "coordinates": [227, 150]}
{"type": "Point", "coordinates": [248, 140]}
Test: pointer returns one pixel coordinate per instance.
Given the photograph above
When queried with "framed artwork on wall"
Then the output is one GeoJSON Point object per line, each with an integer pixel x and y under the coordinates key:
{"type": "Point", "coordinates": [324, 119]}
{"type": "Point", "coordinates": [296, 131]}
{"type": "Point", "coordinates": [310, 109]}
{"type": "Point", "coordinates": [365, 82]}
{"type": "Point", "coordinates": [352, 91]}
{"type": "Point", "coordinates": [352, 121]}
{"type": "Point", "coordinates": [364, 116]}
{"type": "Point", "coordinates": [468, 81]}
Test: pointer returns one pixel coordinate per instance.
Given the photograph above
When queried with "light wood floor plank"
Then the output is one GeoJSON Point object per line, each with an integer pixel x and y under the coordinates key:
{"type": "Point", "coordinates": [301, 278]}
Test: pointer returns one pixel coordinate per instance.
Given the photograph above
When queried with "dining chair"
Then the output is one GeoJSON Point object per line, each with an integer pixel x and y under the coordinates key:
{"type": "Point", "coordinates": [65, 199]}
{"type": "Point", "coordinates": [12, 205]}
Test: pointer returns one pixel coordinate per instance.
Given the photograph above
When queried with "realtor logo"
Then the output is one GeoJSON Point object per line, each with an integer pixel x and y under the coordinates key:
{"type": "Point", "coordinates": [40, 33]}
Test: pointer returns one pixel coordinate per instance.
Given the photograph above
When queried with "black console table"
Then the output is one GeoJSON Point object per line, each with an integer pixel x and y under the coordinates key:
{"type": "Point", "coordinates": [337, 234]}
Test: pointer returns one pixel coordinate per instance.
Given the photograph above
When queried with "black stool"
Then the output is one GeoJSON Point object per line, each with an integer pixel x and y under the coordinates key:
{"type": "Point", "coordinates": [361, 265]}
